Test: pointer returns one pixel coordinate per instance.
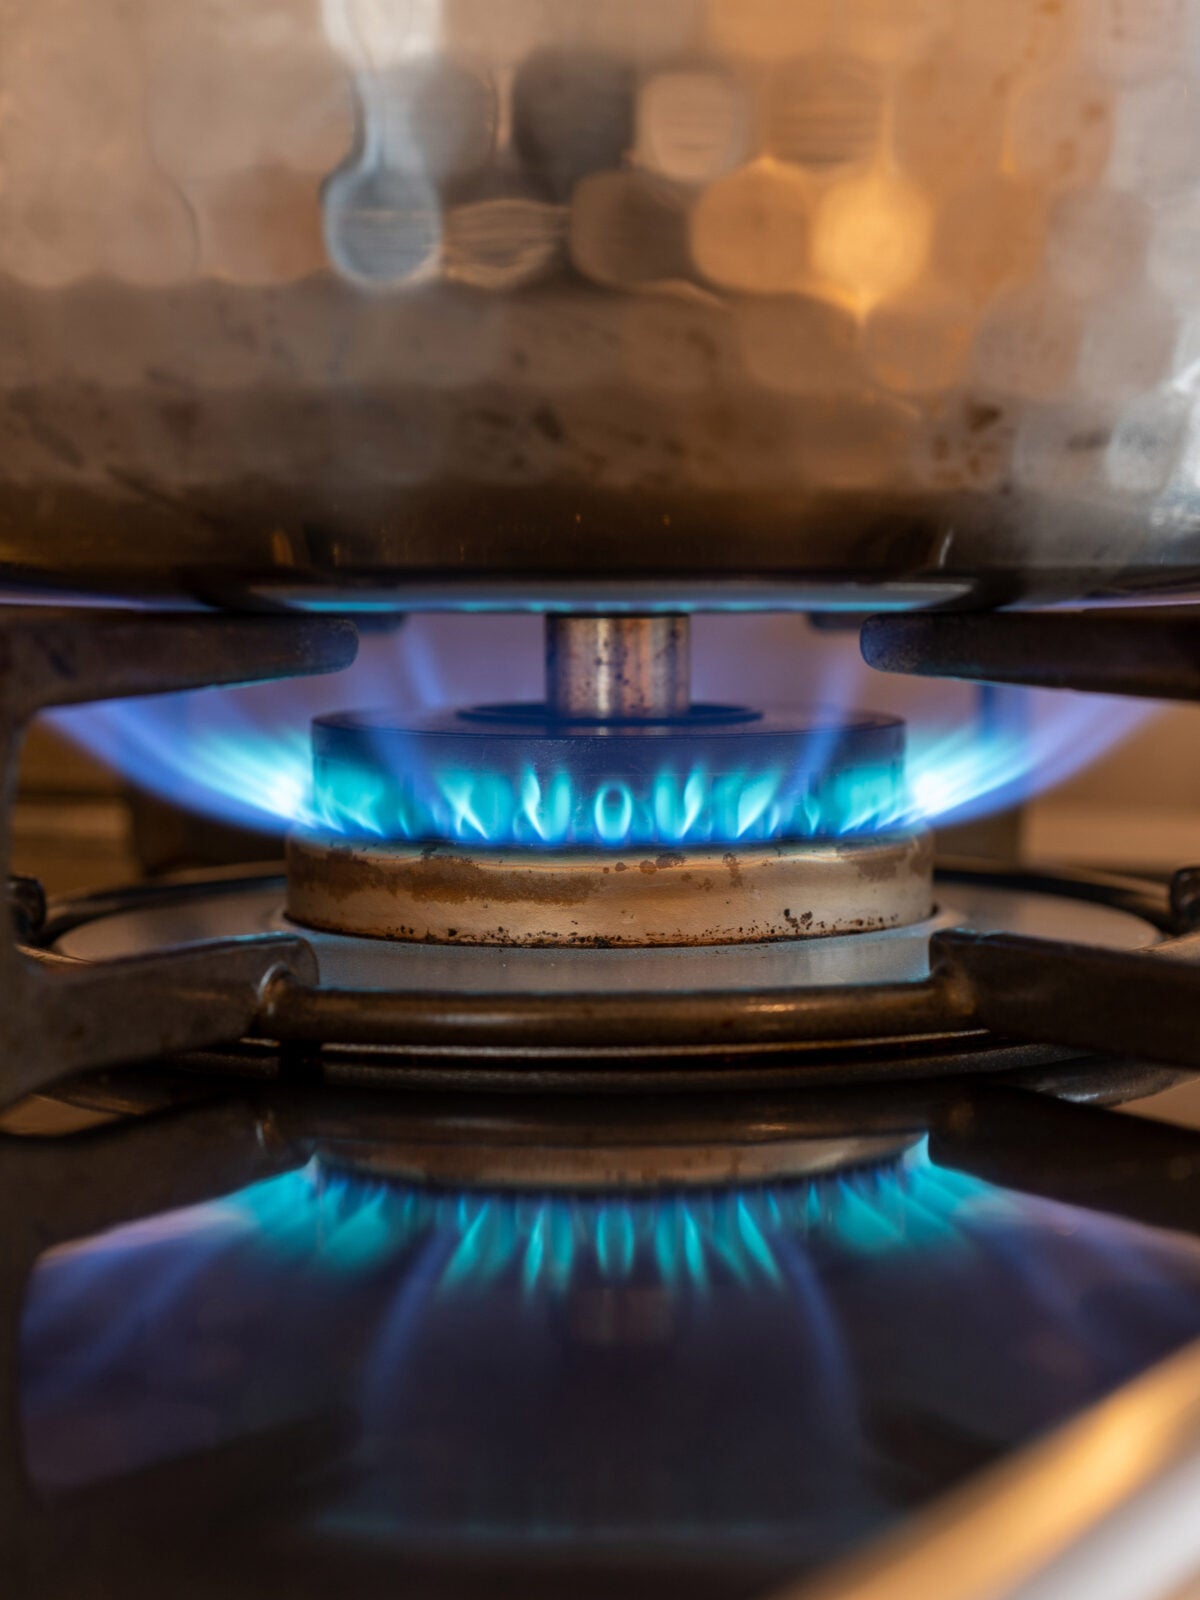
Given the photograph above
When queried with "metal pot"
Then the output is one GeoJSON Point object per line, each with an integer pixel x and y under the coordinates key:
{"type": "Point", "coordinates": [703, 301]}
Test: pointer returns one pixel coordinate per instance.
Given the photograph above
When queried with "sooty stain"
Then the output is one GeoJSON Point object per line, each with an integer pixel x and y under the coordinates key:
{"type": "Point", "coordinates": [545, 420]}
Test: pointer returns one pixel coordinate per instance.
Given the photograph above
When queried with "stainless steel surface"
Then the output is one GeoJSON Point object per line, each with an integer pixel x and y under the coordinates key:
{"type": "Point", "coordinates": [446, 895]}
{"type": "Point", "coordinates": [1103, 1510]}
{"type": "Point", "coordinates": [618, 667]}
{"type": "Point", "coordinates": [505, 300]}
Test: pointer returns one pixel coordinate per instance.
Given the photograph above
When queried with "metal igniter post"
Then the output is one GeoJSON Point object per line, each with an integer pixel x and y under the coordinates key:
{"type": "Point", "coordinates": [611, 668]}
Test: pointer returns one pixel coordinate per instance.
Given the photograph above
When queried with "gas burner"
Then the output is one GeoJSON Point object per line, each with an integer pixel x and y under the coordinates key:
{"type": "Point", "coordinates": [854, 1008]}
{"type": "Point", "coordinates": [510, 825]}
{"type": "Point", "coordinates": [613, 813]}
{"type": "Point", "coordinates": [581, 1150]}
{"type": "Point", "coordinates": [989, 973]}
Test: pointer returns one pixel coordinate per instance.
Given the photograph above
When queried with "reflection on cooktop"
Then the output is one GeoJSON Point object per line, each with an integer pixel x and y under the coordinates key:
{"type": "Point", "coordinates": [788, 1366]}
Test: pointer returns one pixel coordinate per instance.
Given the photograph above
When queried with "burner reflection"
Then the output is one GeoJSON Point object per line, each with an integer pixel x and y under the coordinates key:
{"type": "Point", "coordinates": [684, 1240]}
{"type": "Point", "coordinates": [794, 1364]}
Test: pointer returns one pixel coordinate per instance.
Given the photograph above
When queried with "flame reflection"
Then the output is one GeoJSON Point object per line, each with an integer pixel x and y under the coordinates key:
{"type": "Point", "coordinates": [244, 755]}
{"type": "Point", "coordinates": [801, 1361]}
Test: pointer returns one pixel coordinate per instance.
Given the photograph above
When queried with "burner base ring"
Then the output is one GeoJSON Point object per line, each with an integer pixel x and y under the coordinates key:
{"type": "Point", "coordinates": [444, 895]}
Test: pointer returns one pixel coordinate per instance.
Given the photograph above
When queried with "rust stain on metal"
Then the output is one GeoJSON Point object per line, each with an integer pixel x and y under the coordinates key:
{"type": "Point", "coordinates": [444, 879]}
{"type": "Point", "coordinates": [884, 866]}
{"type": "Point", "coordinates": [444, 895]}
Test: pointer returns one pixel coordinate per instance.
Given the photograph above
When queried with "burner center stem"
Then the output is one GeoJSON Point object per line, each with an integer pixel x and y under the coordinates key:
{"type": "Point", "coordinates": [618, 668]}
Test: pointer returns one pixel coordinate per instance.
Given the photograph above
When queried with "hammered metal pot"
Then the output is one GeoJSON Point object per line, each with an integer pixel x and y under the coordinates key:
{"type": "Point", "coordinates": [704, 301]}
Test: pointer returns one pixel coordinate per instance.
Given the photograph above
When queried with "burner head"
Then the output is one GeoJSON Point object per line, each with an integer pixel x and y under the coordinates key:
{"type": "Point", "coordinates": [499, 777]}
{"type": "Point", "coordinates": [444, 895]}
{"type": "Point", "coordinates": [510, 825]}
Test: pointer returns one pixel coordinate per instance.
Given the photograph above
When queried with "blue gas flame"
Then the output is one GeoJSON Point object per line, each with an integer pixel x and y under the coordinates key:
{"type": "Point", "coordinates": [325, 1219]}
{"type": "Point", "coordinates": [244, 755]}
{"type": "Point", "coordinates": [687, 806]}
{"type": "Point", "coordinates": [322, 1288]}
